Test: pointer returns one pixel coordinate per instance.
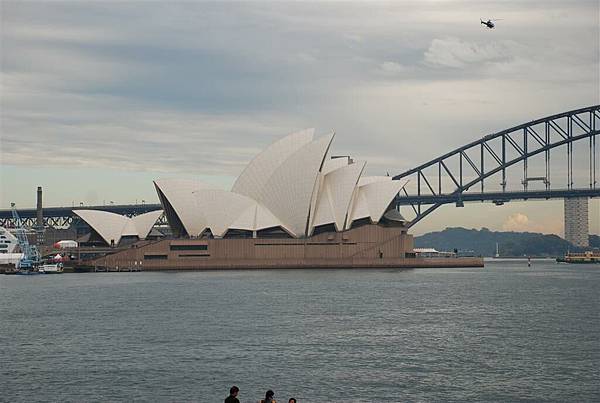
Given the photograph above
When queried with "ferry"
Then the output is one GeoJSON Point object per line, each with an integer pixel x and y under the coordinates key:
{"type": "Point", "coordinates": [54, 268]}
{"type": "Point", "coordinates": [585, 257]}
{"type": "Point", "coordinates": [48, 268]}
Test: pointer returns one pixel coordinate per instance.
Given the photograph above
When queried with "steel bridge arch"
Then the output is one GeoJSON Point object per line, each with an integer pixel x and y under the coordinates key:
{"type": "Point", "coordinates": [578, 124]}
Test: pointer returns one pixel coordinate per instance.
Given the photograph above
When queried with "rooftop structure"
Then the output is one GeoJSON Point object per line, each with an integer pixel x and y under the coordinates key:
{"type": "Point", "coordinates": [291, 189]}
{"type": "Point", "coordinates": [113, 227]}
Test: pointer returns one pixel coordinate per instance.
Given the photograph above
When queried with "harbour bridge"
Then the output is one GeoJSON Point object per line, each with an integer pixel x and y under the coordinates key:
{"type": "Point", "coordinates": [530, 148]}
{"type": "Point", "coordinates": [549, 154]}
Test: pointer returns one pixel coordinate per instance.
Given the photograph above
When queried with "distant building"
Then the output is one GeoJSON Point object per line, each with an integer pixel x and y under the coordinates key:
{"type": "Point", "coordinates": [576, 221]}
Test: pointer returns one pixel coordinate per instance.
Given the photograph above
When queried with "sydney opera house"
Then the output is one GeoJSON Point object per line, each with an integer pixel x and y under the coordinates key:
{"type": "Point", "coordinates": [292, 189]}
{"type": "Point", "coordinates": [294, 205]}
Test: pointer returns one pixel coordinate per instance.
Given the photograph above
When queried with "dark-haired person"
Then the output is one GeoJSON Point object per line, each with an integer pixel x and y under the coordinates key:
{"type": "Point", "coordinates": [269, 397]}
{"type": "Point", "coordinates": [292, 400]}
{"type": "Point", "coordinates": [233, 392]}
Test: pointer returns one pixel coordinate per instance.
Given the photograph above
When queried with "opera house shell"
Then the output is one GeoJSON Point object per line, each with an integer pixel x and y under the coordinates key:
{"type": "Point", "coordinates": [111, 227]}
{"type": "Point", "coordinates": [293, 189]}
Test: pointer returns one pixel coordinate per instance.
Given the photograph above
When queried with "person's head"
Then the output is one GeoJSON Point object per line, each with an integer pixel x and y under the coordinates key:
{"type": "Point", "coordinates": [233, 391]}
{"type": "Point", "coordinates": [269, 394]}
{"type": "Point", "coordinates": [292, 400]}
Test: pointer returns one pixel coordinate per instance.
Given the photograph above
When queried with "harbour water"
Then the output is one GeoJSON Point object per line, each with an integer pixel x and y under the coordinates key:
{"type": "Point", "coordinates": [503, 333]}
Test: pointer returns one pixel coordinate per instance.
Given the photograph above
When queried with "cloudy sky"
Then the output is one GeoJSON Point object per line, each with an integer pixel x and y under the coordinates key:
{"type": "Point", "coordinates": [98, 99]}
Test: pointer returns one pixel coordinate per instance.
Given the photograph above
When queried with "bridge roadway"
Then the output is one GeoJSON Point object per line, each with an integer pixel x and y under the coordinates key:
{"type": "Point", "coordinates": [496, 197]}
{"type": "Point", "coordinates": [123, 209]}
{"type": "Point", "coordinates": [64, 215]}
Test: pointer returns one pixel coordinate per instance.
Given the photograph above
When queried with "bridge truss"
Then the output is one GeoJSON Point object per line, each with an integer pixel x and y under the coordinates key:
{"type": "Point", "coordinates": [454, 176]}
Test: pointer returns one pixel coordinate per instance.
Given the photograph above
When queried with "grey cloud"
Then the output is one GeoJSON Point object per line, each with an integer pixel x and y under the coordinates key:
{"type": "Point", "coordinates": [202, 86]}
{"type": "Point", "coordinates": [453, 52]}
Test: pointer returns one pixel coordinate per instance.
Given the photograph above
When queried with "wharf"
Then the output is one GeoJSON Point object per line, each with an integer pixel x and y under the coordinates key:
{"type": "Point", "coordinates": [293, 264]}
{"type": "Point", "coordinates": [408, 263]}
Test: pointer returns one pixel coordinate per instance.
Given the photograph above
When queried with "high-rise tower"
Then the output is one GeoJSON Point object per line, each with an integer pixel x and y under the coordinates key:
{"type": "Point", "coordinates": [576, 221]}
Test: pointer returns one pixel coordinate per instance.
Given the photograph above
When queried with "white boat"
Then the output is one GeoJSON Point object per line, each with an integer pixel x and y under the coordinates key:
{"type": "Point", "coordinates": [54, 268]}
{"type": "Point", "coordinates": [8, 242]}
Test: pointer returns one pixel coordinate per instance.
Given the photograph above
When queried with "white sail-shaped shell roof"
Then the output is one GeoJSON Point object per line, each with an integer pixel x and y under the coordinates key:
{"type": "Point", "coordinates": [373, 197]}
{"type": "Point", "coordinates": [200, 207]}
{"type": "Point", "coordinates": [379, 195]}
{"type": "Point", "coordinates": [289, 190]}
{"type": "Point", "coordinates": [144, 222]}
{"type": "Point", "coordinates": [253, 179]}
{"type": "Point", "coordinates": [335, 195]}
{"type": "Point", "coordinates": [256, 218]}
{"type": "Point", "coordinates": [180, 195]}
{"type": "Point", "coordinates": [220, 208]}
{"type": "Point", "coordinates": [109, 226]}
{"type": "Point", "coordinates": [112, 227]}
{"type": "Point", "coordinates": [334, 163]}
{"type": "Point", "coordinates": [227, 210]}
{"type": "Point", "coordinates": [365, 180]}
{"type": "Point", "coordinates": [129, 229]}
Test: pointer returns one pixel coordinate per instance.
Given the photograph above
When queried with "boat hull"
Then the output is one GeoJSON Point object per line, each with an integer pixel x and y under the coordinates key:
{"type": "Point", "coordinates": [27, 273]}
{"type": "Point", "coordinates": [51, 269]}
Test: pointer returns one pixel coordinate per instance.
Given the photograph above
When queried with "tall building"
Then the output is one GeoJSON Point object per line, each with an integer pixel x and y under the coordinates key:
{"type": "Point", "coordinates": [576, 221]}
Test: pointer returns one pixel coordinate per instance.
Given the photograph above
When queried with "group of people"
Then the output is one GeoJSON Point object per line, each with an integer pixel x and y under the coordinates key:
{"type": "Point", "coordinates": [269, 396]}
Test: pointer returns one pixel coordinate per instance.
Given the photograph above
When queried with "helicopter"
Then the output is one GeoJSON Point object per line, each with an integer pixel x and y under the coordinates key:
{"type": "Point", "coordinates": [489, 23]}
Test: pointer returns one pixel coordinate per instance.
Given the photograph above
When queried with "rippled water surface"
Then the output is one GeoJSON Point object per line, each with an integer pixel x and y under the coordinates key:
{"type": "Point", "coordinates": [503, 333]}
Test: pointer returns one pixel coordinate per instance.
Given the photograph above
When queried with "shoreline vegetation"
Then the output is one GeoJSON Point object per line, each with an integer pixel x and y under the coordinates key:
{"type": "Point", "coordinates": [510, 244]}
